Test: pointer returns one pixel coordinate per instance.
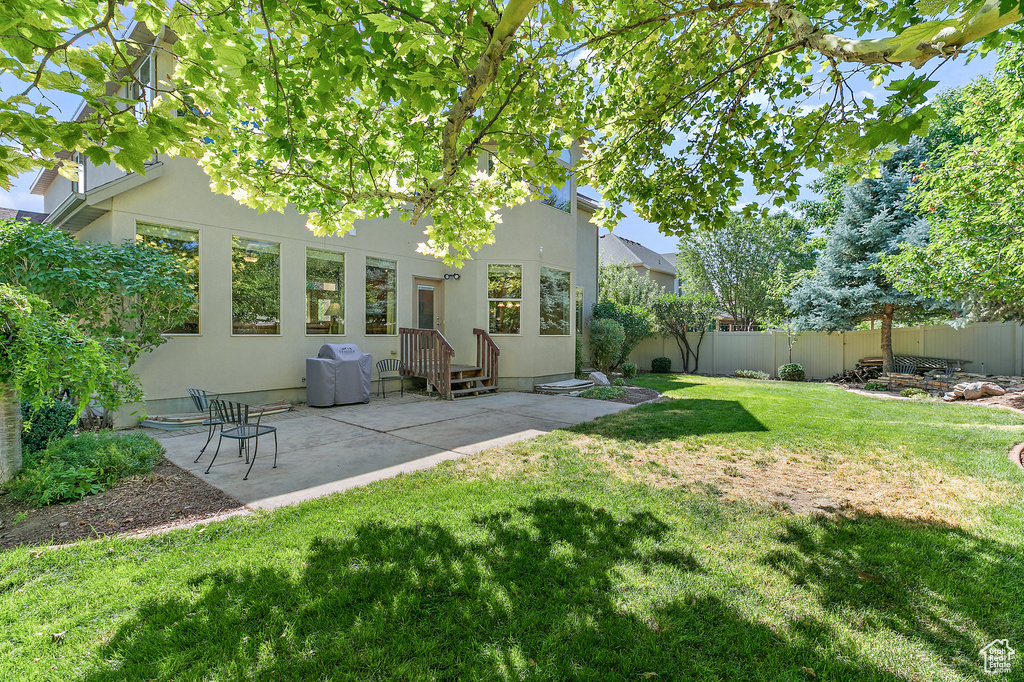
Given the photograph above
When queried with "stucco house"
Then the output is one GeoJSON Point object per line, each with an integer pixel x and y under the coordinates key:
{"type": "Point", "coordinates": [661, 267]}
{"type": "Point", "coordinates": [271, 292]}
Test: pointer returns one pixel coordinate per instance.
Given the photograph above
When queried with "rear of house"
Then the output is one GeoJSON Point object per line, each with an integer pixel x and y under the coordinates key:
{"type": "Point", "coordinates": [271, 292]}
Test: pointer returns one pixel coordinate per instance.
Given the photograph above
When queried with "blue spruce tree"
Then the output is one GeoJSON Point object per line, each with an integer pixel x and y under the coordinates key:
{"type": "Point", "coordinates": [846, 288]}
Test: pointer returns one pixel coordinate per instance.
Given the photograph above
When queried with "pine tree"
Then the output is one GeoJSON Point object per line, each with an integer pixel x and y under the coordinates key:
{"type": "Point", "coordinates": [846, 287]}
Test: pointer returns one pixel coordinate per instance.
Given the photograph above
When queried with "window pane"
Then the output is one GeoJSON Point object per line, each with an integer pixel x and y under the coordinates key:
{"type": "Point", "coordinates": [579, 310]}
{"type": "Point", "coordinates": [558, 198]}
{"type": "Point", "coordinates": [255, 286]}
{"type": "Point", "coordinates": [381, 289]}
{"type": "Point", "coordinates": [554, 302]}
{"type": "Point", "coordinates": [183, 243]}
{"type": "Point", "coordinates": [504, 281]}
{"type": "Point", "coordinates": [504, 317]}
{"type": "Point", "coordinates": [325, 292]}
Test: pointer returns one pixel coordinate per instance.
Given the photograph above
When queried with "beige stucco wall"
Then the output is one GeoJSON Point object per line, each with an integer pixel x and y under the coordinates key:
{"type": "Point", "coordinates": [534, 235]}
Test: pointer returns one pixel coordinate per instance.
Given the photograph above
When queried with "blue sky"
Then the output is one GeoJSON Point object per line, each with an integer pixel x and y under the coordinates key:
{"type": "Point", "coordinates": [955, 73]}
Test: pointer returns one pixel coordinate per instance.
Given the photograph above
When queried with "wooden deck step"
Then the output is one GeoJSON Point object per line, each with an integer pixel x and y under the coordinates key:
{"type": "Point", "coordinates": [466, 380]}
{"type": "Point", "coordinates": [478, 389]}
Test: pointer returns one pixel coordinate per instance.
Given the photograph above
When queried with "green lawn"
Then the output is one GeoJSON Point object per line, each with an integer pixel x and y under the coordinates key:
{"type": "Point", "coordinates": [601, 552]}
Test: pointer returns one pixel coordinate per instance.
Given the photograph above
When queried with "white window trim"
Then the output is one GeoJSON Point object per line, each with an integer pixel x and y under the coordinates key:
{"type": "Point", "coordinates": [397, 326]}
{"type": "Point", "coordinates": [344, 294]}
{"type": "Point", "coordinates": [280, 284]}
{"type": "Point", "coordinates": [540, 276]}
{"type": "Point", "coordinates": [199, 239]}
{"type": "Point", "coordinates": [487, 296]}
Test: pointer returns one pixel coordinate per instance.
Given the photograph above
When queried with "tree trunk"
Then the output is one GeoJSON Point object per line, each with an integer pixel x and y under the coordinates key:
{"type": "Point", "coordinates": [887, 361]}
{"type": "Point", "coordinates": [10, 435]}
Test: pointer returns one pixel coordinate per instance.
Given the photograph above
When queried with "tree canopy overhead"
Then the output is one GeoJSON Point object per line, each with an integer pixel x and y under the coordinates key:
{"type": "Point", "coordinates": [352, 109]}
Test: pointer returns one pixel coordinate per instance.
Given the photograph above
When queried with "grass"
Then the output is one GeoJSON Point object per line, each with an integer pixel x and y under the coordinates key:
{"type": "Point", "coordinates": [603, 392]}
{"type": "Point", "coordinates": [584, 554]}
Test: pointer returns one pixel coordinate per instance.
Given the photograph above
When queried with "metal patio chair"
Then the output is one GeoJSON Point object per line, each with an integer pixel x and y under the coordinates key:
{"type": "Point", "coordinates": [201, 399]}
{"type": "Point", "coordinates": [389, 368]}
{"type": "Point", "coordinates": [235, 424]}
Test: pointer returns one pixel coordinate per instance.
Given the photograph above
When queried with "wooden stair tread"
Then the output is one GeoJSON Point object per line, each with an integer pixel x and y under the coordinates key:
{"type": "Point", "coordinates": [466, 380]}
{"type": "Point", "coordinates": [478, 389]}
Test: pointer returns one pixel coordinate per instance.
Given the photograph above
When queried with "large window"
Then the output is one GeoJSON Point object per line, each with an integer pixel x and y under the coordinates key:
{"type": "Point", "coordinates": [325, 292]}
{"type": "Point", "coordinates": [579, 310]}
{"type": "Point", "coordinates": [554, 302]}
{"type": "Point", "coordinates": [560, 198]}
{"type": "Point", "coordinates": [381, 296]}
{"type": "Point", "coordinates": [184, 244]}
{"type": "Point", "coordinates": [255, 286]}
{"type": "Point", "coordinates": [504, 297]}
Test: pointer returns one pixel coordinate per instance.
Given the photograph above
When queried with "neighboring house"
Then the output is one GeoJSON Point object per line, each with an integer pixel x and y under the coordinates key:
{"type": "Point", "coordinates": [271, 293]}
{"type": "Point", "coordinates": [661, 267]}
{"type": "Point", "coordinates": [16, 214]}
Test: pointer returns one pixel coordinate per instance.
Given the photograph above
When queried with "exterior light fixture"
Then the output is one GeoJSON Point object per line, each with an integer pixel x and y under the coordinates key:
{"type": "Point", "coordinates": [452, 275]}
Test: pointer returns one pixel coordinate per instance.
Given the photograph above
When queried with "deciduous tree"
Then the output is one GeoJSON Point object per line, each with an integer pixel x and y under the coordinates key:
{"type": "Point", "coordinates": [685, 316]}
{"type": "Point", "coordinates": [970, 194]}
{"type": "Point", "coordinates": [743, 264]}
{"type": "Point", "coordinates": [350, 110]}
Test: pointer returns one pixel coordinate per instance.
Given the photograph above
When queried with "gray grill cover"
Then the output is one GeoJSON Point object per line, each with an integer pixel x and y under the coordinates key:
{"type": "Point", "coordinates": [339, 375]}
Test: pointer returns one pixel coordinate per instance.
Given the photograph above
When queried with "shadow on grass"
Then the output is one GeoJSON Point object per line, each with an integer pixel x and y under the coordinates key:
{"type": "Point", "coordinates": [673, 419]}
{"type": "Point", "coordinates": [536, 592]}
{"type": "Point", "coordinates": [924, 581]}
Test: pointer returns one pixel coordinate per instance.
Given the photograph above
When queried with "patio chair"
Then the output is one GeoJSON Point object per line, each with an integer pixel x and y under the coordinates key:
{"type": "Point", "coordinates": [235, 424]}
{"type": "Point", "coordinates": [389, 368]}
{"type": "Point", "coordinates": [901, 368]}
{"type": "Point", "coordinates": [201, 399]}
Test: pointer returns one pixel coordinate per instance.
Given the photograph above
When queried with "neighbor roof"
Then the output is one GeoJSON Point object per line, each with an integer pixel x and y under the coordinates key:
{"type": "Point", "coordinates": [615, 249]}
{"type": "Point", "coordinates": [18, 214]}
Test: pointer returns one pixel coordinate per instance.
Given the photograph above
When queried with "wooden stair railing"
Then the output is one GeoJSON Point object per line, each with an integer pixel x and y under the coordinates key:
{"type": "Point", "coordinates": [426, 353]}
{"type": "Point", "coordinates": [487, 353]}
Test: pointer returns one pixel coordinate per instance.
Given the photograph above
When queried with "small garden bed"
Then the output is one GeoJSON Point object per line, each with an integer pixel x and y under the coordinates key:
{"type": "Point", "coordinates": [166, 496]}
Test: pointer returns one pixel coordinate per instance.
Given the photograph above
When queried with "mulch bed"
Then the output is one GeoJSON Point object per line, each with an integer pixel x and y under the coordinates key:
{"type": "Point", "coordinates": [634, 395]}
{"type": "Point", "coordinates": [166, 497]}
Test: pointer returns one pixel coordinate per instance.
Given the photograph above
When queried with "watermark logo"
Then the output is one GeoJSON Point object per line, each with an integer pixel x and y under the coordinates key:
{"type": "Point", "coordinates": [998, 656]}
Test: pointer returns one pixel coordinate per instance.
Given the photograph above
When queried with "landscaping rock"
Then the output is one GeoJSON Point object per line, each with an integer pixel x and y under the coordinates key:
{"type": "Point", "coordinates": [981, 389]}
{"type": "Point", "coordinates": [599, 379]}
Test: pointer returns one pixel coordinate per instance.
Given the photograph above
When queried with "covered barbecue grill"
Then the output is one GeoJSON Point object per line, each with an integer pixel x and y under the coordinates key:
{"type": "Point", "coordinates": [339, 375]}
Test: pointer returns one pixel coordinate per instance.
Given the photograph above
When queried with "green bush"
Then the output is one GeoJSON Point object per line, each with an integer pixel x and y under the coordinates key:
{"type": "Point", "coordinates": [77, 466]}
{"type": "Point", "coordinates": [876, 386]}
{"type": "Point", "coordinates": [791, 372]}
{"type": "Point", "coordinates": [751, 374]}
{"type": "Point", "coordinates": [661, 365]}
{"type": "Point", "coordinates": [913, 393]}
{"type": "Point", "coordinates": [579, 357]}
{"type": "Point", "coordinates": [619, 382]}
{"type": "Point", "coordinates": [628, 370]}
{"type": "Point", "coordinates": [637, 324]}
{"type": "Point", "coordinates": [51, 422]}
{"type": "Point", "coordinates": [603, 393]}
{"type": "Point", "coordinates": [605, 343]}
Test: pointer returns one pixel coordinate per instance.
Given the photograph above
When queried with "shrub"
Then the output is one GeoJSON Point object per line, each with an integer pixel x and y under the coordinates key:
{"type": "Point", "coordinates": [913, 393]}
{"type": "Point", "coordinates": [637, 324]}
{"type": "Point", "coordinates": [605, 343]}
{"type": "Point", "coordinates": [876, 386]}
{"type": "Point", "coordinates": [791, 372]}
{"type": "Point", "coordinates": [603, 393]}
{"type": "Point", "coordinates": [579, 357]}
{"type": "Point", "coordinates": [76, 466]}
{"type": "Point", "coordinates": [51, 422]}
{"type": "Point", "coordinates": [619, 382]}
{"type": "Point", "coordinates": [661, 365]}
{"type": "Point", "coordinates": [751, 374]}
{"type": "Point", "coordinates": [628, 370]}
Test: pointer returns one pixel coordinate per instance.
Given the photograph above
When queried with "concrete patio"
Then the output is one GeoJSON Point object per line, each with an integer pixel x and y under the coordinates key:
{"type": "Point", "coordinates": [327, 450]}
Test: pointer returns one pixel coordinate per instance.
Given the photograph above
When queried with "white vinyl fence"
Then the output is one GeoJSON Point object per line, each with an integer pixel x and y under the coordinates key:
{"type": "Point", "coordinates": [993, 348]}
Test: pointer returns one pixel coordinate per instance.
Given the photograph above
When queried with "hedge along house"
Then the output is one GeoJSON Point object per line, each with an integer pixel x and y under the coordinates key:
{"type": "Point", "coordinates": [270, 292]}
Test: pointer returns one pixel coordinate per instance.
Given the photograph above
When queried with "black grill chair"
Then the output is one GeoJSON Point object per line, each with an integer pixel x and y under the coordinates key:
{"type": "Point", "coordinates": [201, 399]}
{"type": "Point", "coordinates": [235, 424]}
{"type": "Point", "coordinates": [389, 368]}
